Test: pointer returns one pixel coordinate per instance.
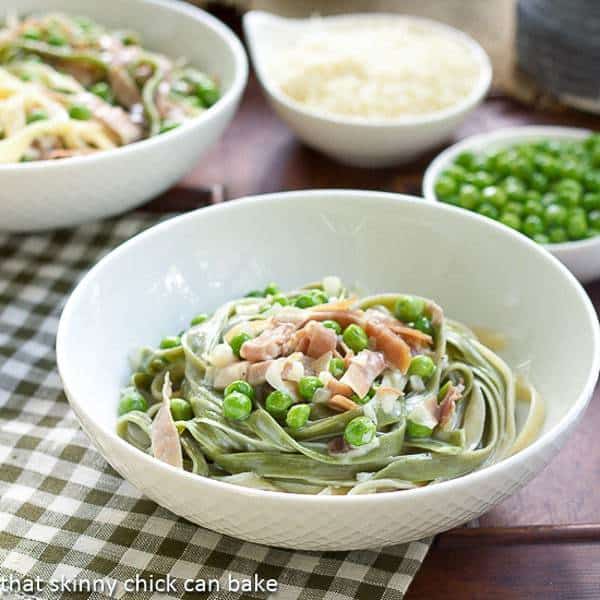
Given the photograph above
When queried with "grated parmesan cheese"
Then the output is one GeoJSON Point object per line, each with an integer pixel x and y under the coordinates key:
{"type": "Point", "coordinates": [376, 69]}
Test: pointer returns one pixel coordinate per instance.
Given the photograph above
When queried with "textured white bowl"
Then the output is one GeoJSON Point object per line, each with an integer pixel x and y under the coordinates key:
{"type": "Point", "coordinates": [581, 257]}
{"type": "Point", "coordinates": [49, 194]}
{"type": "Point", "coordinates": [359, 142]}
{"type": "Point", "coordinates": [151, 286]}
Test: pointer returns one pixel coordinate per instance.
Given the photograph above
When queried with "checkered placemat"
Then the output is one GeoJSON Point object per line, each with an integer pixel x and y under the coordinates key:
{"type": "Point", "coordinates": [69, 524]}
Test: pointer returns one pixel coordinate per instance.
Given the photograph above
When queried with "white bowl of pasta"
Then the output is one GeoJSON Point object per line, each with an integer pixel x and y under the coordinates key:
{"type": "Point", "coordinates": [100, 110]}
{"type": "Point", "coordinates": [313, 469]}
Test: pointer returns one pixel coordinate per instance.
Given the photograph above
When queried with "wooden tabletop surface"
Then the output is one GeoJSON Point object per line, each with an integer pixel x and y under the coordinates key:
{"type": "Point", "coordinates": [544, 540]}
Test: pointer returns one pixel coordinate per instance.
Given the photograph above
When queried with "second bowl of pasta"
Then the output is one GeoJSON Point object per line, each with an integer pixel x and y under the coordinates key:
{"type": "Point", "coordinates": [99, 110]}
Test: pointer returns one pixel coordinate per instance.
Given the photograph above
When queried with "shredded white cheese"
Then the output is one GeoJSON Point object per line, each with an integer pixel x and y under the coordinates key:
{"type": "Point", "coordinates": [376, 69]}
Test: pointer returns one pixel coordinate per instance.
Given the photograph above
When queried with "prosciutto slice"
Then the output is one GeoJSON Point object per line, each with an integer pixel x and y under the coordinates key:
{"type": "Point", "coordinates": [164, 436]}
{"type": "Point", "coordinates": [269, 344]}
{"type": "Point", "coordinates": [363, 369]}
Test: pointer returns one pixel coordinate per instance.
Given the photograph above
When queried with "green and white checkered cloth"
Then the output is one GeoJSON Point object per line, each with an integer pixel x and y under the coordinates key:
{"type": "Point", "coordinates": [67, 518]}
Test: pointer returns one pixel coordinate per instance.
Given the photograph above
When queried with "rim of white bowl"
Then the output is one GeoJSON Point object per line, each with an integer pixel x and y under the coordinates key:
{"type": "Point", "coordinates": [473, 98]}
{"type": "Point", "coordinates": [508, 136]}
{"type": "Point", "coordinates": [339, 195]}
{"type": "Point", "coordinates": [230, 97]}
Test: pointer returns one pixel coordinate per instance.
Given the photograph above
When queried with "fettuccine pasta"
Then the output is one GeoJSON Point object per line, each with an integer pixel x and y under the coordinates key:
{"type": "Point", "coordinates": [70, 87]}
{"type": "Point", "coordinates": [315, 391]}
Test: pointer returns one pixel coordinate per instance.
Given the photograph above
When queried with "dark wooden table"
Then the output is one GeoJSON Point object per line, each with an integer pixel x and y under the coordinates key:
{"type": "Point", "coordinates": [543, 541]}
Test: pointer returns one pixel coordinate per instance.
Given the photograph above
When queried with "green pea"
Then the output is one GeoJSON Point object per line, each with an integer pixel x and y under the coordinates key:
{"type": "Point", "coordinates": [55, 39]}
{"type": "Point", "coordinates": [514, 188]}
{"type": "Point", "coordinates": [132, 400]}
{"type": "Point", "coordinates": [569, 192]}
{"type": "Point", "coordinates": [522, 168]}
{"type": "Point", "coordinates": [572, 169]}
{"type": "Point", "coordinates": [549, 166]}
{"type": "Point", "coordinates": [305, 301]}
{"type": "Point", "coordinates": [532, 225]}
{"type": "Point", "coordinates": [549, 198]}
{"type": "Point", "coordinates": [237, 406]}
{"type": "Point", "coordinates": [170, 342]}
{"type": "Point", "coordinates": [156, 366]}
{"type": "Point", "coordinates": [557, 235]}
{"type": "Point", "coordinates": [533, 196]}
{"type": "Point", "coordinates": [591, 201]}
{"type": "Point", "coordinates": [208, 92]}
{"type": "Point", "coordinates": [278, 402]}
{"type": "Point", "coordinates": [181, 409]}
{"type": "Point", "coordinates": [199, 319]}
{"type": "Point", "coordinates": [280, 299]}
{"type": "Point", "coordinates": [516, 208]}
{"type": "Point", "coordinates": [577, 228]}
{"type": "Point", "coordinates": [337, 367]}
{"type": "Point", "coordinates": [541, 238]}
{"type": "Point", "coordinates": [494, 195]}
{"type": "Point", "coordinates": [416, 430]}
{"type": "Point", "coordinates": [422, 323]}
{"type": "Point", "coordinates": [102, 90]}
{"type": "Point", "coordinates": [32, 33]}
{"type": "Point", "coordinates": [456, 172]}
{"type": "Point", "coordinates": [555, 214]}
{"type": "Point", "coordinates": [320, 297]}
{"type": "Point", "coordinates": [355, 337]}
{"type": "Point", "coordinates": [468, 196]}
{"type": "Point", "coordinates": [271, 289]}
{"type": "Point", "coordinates": [539, 182]}
{"type": "Point", "coordinates": [481, 179]}
{"type": "Point", "coordinates": [333, 325]}
{"type": "Point", "coordinates": [465, 159]}
{"type": "Point", "coordinates": [238, 341]}
{"type": "Point", "coordinates": [422, 366]}
{"type": "Point", "coordinates": [80, 112]}
{"type": "Point", "coordinates": [445, 186]}
{"type": "Point", "coordinates": [297, 416]}
{"type": "Point", "coordinates": [360, 431]}
{"type": "Point", "coordinates": [511, 220]}
{"type": "Point", "coordinates": [531, 207]}
{"type": "Point", "coordinates": [488, 210]}
{"type": "Point", "coordinates": [409, 308]}
{"type": "Point", "coordinates": [591, 181]}
{"type": "Point", "coordinates": [167, 125]}
{"type": "Point", "coordinates": [307, 386]}
{"type": "Point", "coordinates": [36, 115]}
{"type": "Point", "coordinates": [241, 386]}
{"type": "Point", "coordinates": [594, 219]}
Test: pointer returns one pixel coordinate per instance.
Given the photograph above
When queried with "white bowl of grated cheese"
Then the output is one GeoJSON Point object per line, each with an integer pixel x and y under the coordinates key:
{"type": "Point", "coordinates": [372, 89]}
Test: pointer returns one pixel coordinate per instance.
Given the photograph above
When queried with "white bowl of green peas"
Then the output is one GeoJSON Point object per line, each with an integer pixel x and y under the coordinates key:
{"type": "Point", "coordinates": [540, 180]}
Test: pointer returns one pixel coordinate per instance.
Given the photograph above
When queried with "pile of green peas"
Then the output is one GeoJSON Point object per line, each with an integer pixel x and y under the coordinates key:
{"type": "Point", "coordinates": [548, 190]}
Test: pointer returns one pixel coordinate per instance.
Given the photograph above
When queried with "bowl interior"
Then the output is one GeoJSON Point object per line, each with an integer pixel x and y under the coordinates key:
{"type": "Point", "coordinates": [173, 28]}
{"type": "Point", "coordinates": [481, 273]}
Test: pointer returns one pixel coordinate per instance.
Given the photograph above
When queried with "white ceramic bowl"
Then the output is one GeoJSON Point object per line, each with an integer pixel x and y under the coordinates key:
{"type": "Point", "coordinates": [150, 287]}
{"type": "Point", "coordinates": [582, 257]}
{"type": "Point", "coordinates": [359, 142]}
{"type": "Point", "coordinates": [49, 194]}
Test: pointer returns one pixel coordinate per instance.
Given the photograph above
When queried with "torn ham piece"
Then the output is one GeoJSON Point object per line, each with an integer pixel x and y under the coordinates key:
{"type": "Point", "coordinates": [226, 375]}
{"type": "Point", "coordinates": [269, 344]}
{"type": "Point", "coordinates": [315, 340]}
{"type": "Point", "coordinates": [363, 369]}
{"type": "Point", "coordinates": [447, 406]}
{"type": "Point", "coordinates": [396, 350]}
{"type": "Point", "coordinates": [164, 436]}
